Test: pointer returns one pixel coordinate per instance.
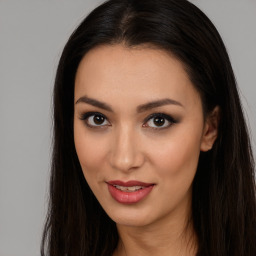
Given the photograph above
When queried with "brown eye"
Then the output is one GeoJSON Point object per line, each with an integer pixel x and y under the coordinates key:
{"type": "Point", "coordinates": [159, 121]}
{"type": "Point", "coordinates": [98, 119]}
{"type": "Point", "coordinates": [95, 120]}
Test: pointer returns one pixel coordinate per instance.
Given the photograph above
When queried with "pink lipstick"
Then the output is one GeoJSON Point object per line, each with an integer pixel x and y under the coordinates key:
{"type": "Point", "coordinates": [129, 192]}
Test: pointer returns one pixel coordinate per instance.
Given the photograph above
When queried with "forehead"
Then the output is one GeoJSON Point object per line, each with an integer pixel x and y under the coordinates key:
{"type": "Point", "coordinates": [115, 72]}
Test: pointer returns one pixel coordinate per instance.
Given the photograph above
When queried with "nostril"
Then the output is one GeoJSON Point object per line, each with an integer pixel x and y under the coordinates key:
{"type": "Point", "coordinates": [126, 161]}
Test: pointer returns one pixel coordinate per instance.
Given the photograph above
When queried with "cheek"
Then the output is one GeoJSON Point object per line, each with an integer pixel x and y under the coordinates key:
{"type": "Point", "coordinates": [176, 164]}
{"type": "Point", "coordinates": [177, 159]}
{"type": "Point", "coordinates": [90, 150]}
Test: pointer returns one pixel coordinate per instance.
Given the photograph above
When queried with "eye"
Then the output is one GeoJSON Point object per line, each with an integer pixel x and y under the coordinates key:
{"type": "Point", "coordinates": [159, 121]}
{"type": "Point", "coordinates": [95, 120]}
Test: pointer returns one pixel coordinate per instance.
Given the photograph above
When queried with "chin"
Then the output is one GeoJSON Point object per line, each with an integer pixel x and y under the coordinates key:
{"type": "Point", "coordinates": [139, 222]}
{"type": "Point", "coordinates": [131, 217]}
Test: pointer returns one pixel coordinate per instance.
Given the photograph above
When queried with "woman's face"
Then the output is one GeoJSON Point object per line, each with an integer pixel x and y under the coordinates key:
{"type": "Point", "coordinates": [138, 129]}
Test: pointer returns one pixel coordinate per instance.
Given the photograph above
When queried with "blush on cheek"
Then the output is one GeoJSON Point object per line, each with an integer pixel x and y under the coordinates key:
{"type": "Point", "coordinates": [86, 148]}
{"type": "Point", "coordinates": [90, 162]}
{"type": "Point", "coordinates": [179, 160]}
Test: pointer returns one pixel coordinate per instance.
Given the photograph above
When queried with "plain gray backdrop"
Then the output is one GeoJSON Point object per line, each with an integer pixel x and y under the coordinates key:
{"type": "Point", "coordinates": [32, 36]}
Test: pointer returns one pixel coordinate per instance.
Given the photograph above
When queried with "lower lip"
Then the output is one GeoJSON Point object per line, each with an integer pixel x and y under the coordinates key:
{"type": "Point", "coordinates": [129, 197]}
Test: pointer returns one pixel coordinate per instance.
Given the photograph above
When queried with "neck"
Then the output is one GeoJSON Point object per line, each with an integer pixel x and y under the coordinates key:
{"type": "Point", "coordinates": [162, 238]}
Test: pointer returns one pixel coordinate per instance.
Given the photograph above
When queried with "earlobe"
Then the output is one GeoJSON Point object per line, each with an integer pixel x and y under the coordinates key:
{"type": "Point", "coordinates": [210, 132]}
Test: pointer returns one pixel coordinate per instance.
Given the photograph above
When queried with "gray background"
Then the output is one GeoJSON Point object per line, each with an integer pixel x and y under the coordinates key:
{"type": "Point", "coordinates": [32, 35]}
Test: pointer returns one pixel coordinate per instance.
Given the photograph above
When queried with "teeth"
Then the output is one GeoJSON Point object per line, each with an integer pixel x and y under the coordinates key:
{"type": "Point", "coordinates": [128, 189]}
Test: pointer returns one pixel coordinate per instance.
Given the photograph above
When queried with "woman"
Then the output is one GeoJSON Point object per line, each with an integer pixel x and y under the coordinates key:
{"type": "Point", "coordinates": [151, 151]}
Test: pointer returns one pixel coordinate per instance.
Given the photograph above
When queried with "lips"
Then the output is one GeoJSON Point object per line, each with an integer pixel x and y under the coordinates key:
{"type": "Point", "coordinates": [129, 183]}
{"type": "Point", "coordinates": [129, 192]}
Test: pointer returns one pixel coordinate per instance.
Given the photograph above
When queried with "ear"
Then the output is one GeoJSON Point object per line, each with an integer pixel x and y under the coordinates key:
{"type": "Point", "coordinates": [210, 132]}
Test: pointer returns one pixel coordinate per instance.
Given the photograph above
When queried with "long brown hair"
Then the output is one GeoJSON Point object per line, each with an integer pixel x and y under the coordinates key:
{"type": "Point", "coordinates": [224, 204]}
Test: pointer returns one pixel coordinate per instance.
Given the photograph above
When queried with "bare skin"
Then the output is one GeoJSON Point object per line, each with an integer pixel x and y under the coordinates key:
{"type": "Point", "coordinates": [165, 238]}
{"type": "Point", "coordinates": [138, 117]}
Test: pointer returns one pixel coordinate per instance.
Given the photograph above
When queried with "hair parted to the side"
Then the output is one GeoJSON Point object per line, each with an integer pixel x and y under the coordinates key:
{"type": "Point", "coordinates": [224, 205]}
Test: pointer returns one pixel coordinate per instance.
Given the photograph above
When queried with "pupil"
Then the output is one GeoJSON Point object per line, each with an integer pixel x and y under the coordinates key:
{"type": "Point", "coordinates": [98, 119]}
{"type": "Point", "coordinates": [159, 121]}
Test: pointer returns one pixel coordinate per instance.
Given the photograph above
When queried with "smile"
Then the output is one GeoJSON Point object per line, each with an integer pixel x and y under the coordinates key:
{"type": "Point", "coordinates": [128, 189]}
{"type": "Point", "coordinates": [129, 192]}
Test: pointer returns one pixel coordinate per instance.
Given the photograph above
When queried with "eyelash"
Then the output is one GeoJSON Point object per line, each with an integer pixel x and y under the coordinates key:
{"type": "Point", "coordinates": [166, 117]}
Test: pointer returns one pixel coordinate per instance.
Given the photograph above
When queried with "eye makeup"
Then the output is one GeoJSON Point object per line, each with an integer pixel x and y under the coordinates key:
{"type": "Point", "coordinates": [95, 120]}
{"type": "Point", "coordinates": [159, 121]}
{"type": "Point", "coordinates": [156, 121]}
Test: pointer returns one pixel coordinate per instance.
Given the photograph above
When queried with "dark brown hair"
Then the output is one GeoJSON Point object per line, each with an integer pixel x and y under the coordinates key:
{"type": "Point", "coordinates": [224, 204]}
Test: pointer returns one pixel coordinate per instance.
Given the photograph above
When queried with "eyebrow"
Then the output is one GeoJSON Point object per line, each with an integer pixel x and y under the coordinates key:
{"type": "Point", "coordinates": [94, 103]}
{"type": "Point", "coordinates": [140, 108]}
{"type": "Point", "coordinates": [157, 103]}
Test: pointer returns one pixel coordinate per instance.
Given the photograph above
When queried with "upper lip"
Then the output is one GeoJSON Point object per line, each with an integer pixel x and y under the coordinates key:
{"type": "Point", "coordinates": [130, 183]}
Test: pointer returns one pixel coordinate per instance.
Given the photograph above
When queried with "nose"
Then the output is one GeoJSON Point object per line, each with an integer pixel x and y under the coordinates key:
{"type": "Point", "coordinates": [126, 153]}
